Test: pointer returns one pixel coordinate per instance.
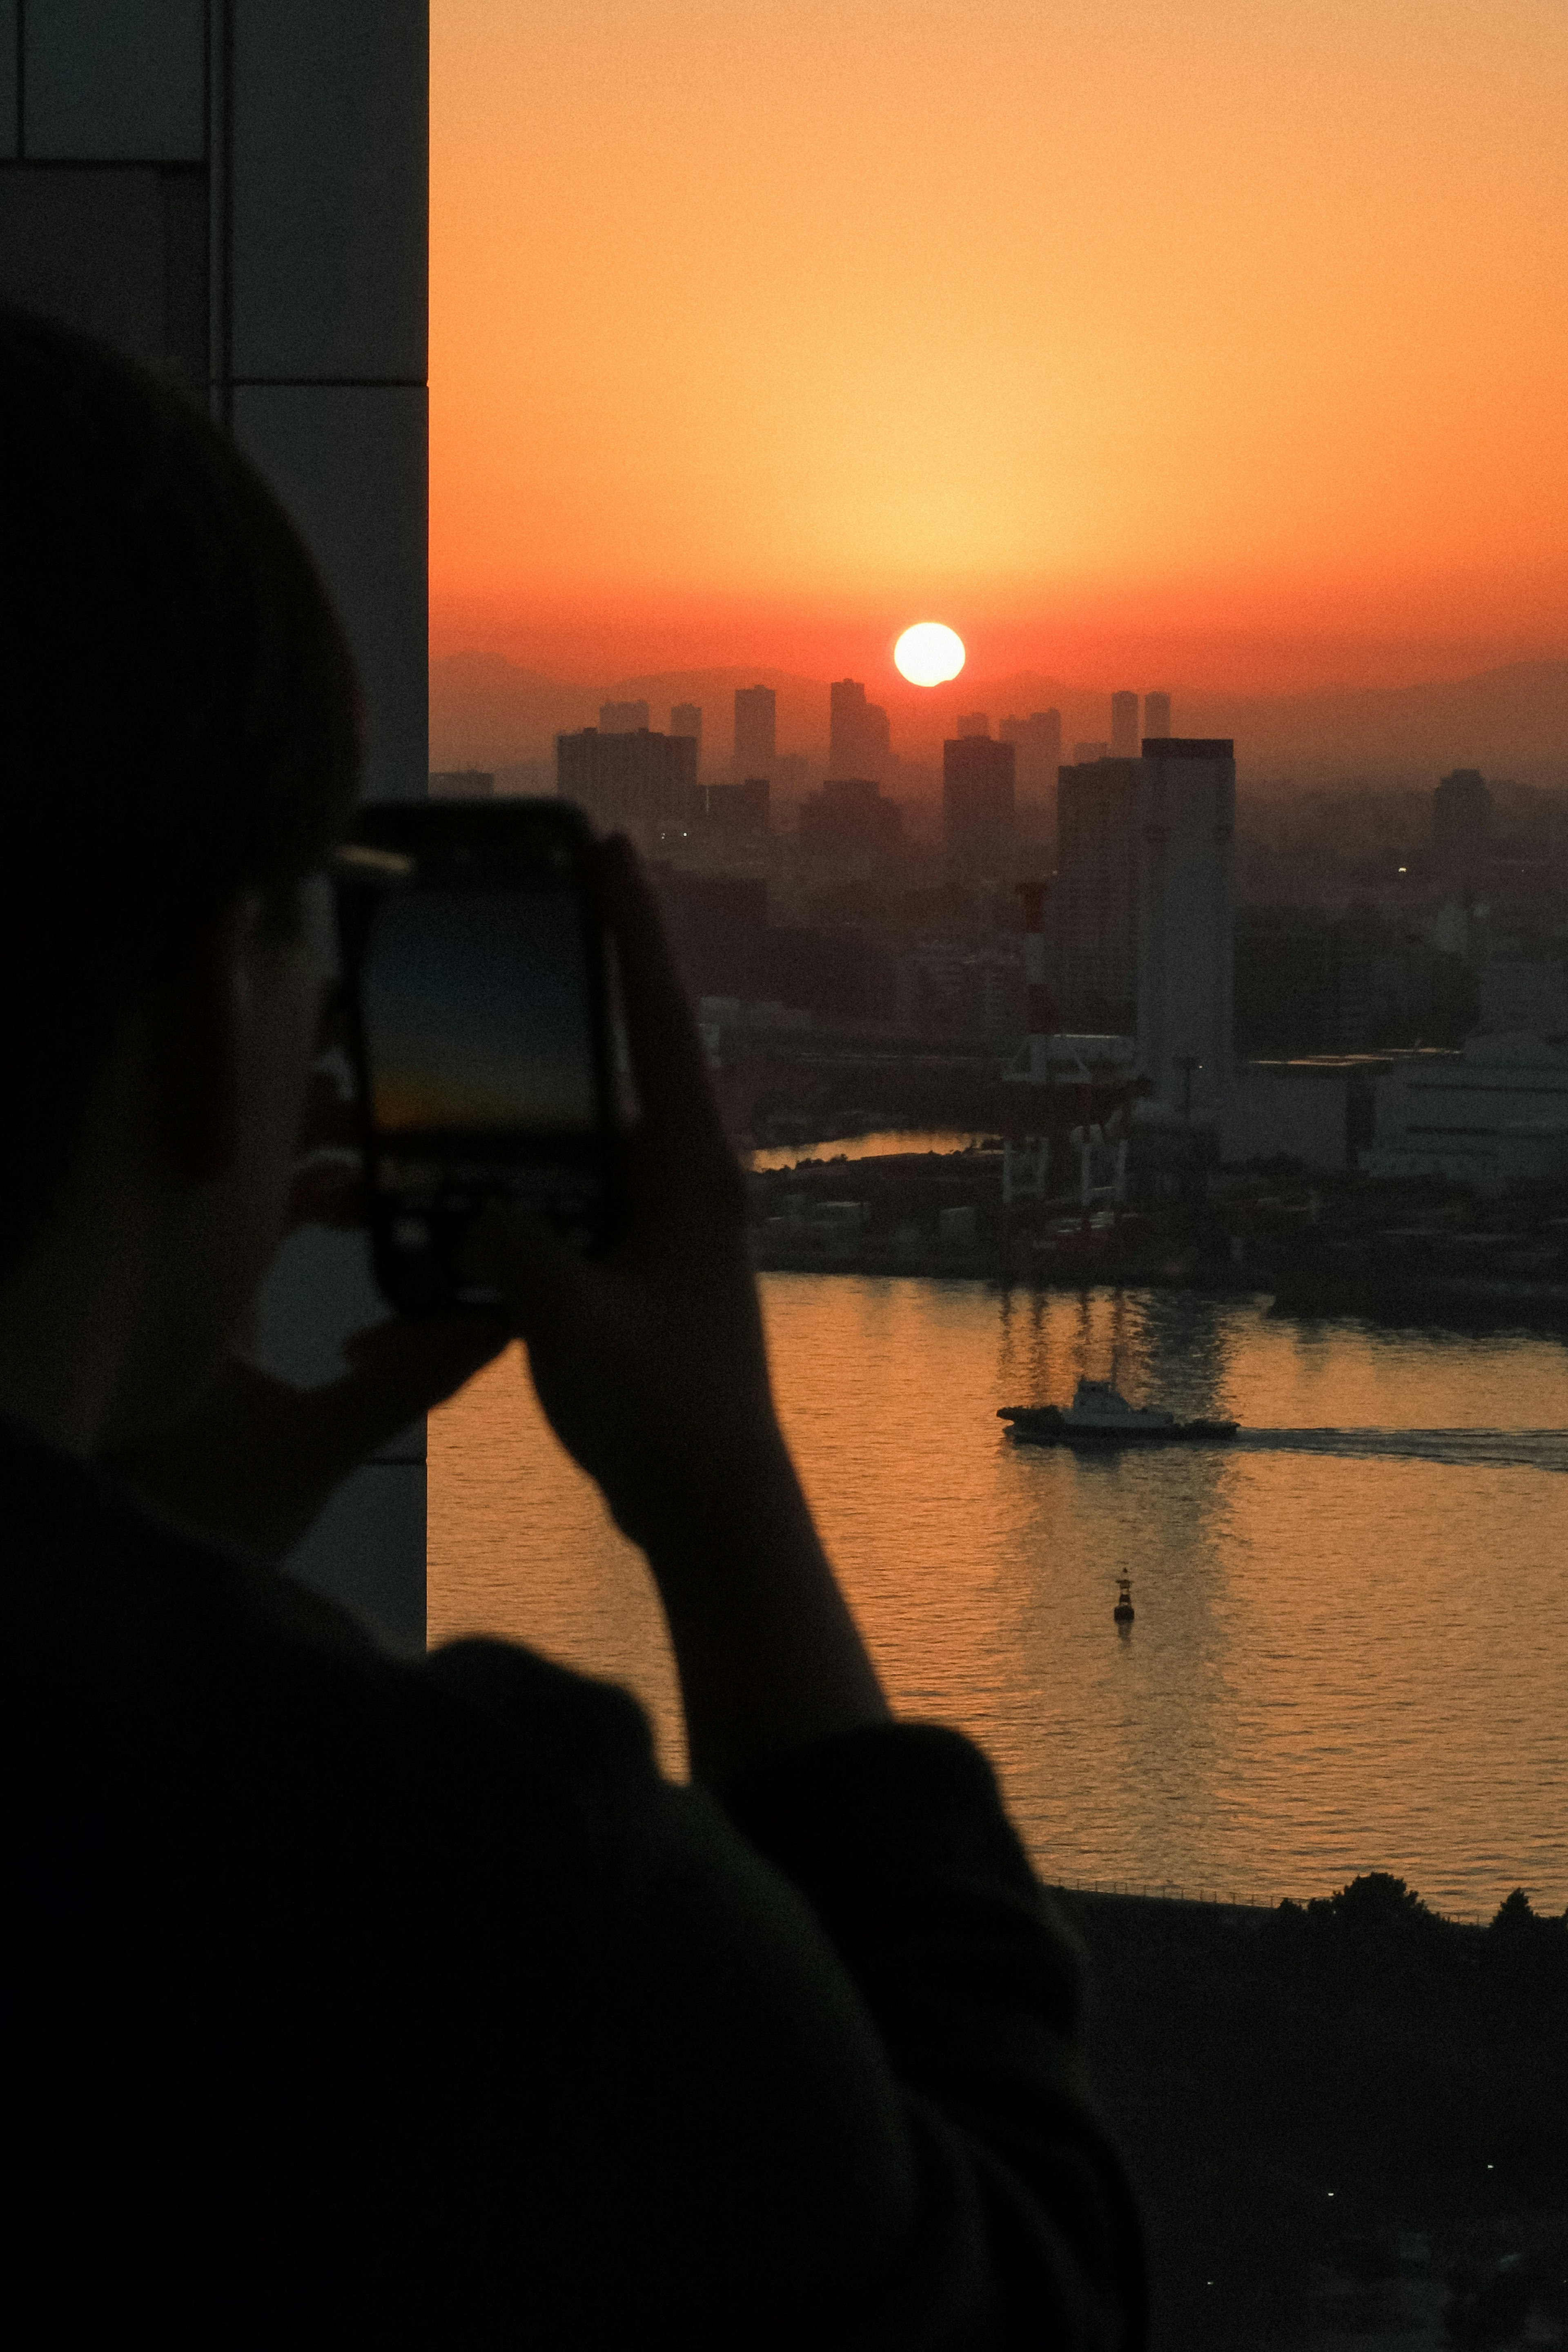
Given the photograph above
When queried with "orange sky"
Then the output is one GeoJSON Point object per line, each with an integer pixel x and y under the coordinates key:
{"type": "Point", "coordinates": [1218, 341]}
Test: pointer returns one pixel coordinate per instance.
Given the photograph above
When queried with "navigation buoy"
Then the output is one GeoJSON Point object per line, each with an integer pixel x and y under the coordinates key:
{"type": "Point", "coordinates": [1122, 1612]}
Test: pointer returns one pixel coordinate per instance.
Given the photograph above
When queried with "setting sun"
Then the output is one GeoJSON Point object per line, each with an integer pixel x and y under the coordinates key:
{"type": "Point", "coordinates": [928, 653]}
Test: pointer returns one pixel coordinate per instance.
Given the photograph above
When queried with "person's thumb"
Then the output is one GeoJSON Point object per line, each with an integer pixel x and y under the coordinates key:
{"type": "Point", "coordinates": [399, 1370]}
{"type": "Point", "coordinates": [540, 1279]}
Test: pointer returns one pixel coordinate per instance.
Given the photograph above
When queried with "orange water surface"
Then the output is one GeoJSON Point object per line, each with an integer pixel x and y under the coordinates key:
{"type": "Point", "coordinates": [1350, 1650]}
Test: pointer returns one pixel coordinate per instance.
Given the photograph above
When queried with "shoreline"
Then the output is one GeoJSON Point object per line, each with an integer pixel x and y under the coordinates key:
{"type": "Point", "coordinates": [1439, 1303]}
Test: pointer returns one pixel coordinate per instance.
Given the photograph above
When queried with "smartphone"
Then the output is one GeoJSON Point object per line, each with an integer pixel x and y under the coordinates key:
{"type": "Point", "coordinates": [477, 986]}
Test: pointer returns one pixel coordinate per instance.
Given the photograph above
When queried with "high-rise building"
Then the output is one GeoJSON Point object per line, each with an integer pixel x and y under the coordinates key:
{"type": "Point", "coordinates": [858, 737]}
{"type": "Point", "coordinates": [462, 784]}
{"type": "Point", "coordinates": [1156, 717]}
{"type": "Point", "coordinates": [1461, 818]}
{"type": "Point", "coordinates": [1094, 913]}
{"type": "Point", "coordinates": [1186, 826]}
{"type": "Point", "coordinates": [978, 806]}
{"type": "Point", "coordinates": [622, 718]}
{"type": "Point", "coordinates": [640, 784]}
{"type": "Point", "coordinates": [974, 723]}
{"type": "Point", "coordinates": [739, 808]}
{"type": "Point", "coordinates": [848, 816]}
{"type": "Point", "coordinates": [685, 719]}
{"type": "Point", "coordinates": [1038, 743]}
{"type": "Point", "coordinates": [1084, 752]}
{"type": "Point", "coordinates": [757, 730]}
{"type": "Point", "coordinates": [1124, 726]}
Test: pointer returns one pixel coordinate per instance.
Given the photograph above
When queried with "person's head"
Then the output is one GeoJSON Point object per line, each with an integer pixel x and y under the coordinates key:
{"type": "Point", "coordinates": [178, 753]}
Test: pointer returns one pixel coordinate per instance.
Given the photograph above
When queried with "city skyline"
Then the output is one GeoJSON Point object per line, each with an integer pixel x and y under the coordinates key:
{"type": "Point", "coordinates": [490, 710]}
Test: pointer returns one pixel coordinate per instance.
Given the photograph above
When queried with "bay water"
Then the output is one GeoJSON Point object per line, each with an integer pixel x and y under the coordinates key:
{"type": "Point", "coordinates": [1350, 1645]}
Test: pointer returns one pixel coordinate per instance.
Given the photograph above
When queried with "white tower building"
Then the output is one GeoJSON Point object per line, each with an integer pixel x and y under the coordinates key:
{"type": "Point", "coordinates": [1186, 825]}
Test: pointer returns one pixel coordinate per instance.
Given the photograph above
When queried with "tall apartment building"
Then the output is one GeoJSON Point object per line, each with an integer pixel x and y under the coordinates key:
{"type": "Point", "coordinates": [859, 736]}
{"type": "Point", "coordinates": [1038, 740]}
{"type": "Point", "coordinates": [1156, 717]}
{"type": "Point", "coordinates": [685, 719]}
{"type": "Point", "coordinates": [1093, 910]}
{"type": "Point", "coordinates": [633, 784]}
{"type": "Point", "coordinates": [849, 817]}
{"type": "Point", "coordinates": [462, 784]}
{"type": "Point", "coordinates": [978, 806]}
{"type": "Point", "coordinates": [738, 809]}
{"type": "Point", "coordinates": [1461, 819]}
{"type": "Point", "coordinates": [757, 730]}
{"type": "Point", "coordinates": [1124, 727]}
{"type": "Point", "coordinates": [1186, 913]}
{"type": "Point", "coordinates": [622, 718]}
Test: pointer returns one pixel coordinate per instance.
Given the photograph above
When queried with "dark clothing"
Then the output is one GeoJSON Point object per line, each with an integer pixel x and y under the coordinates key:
{"type": "Point", "coordinates": [407, 2003]}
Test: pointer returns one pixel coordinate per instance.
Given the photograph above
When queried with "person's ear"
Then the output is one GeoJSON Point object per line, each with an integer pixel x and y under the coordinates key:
{"type": "Point", "coordinates": [195, 1044]}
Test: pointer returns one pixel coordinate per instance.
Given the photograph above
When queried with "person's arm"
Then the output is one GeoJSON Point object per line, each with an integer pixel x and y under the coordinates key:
{"type": "Point", "coordinates": [651, 1364]}
{"type": "Point", "coordinates": [820, 2051]}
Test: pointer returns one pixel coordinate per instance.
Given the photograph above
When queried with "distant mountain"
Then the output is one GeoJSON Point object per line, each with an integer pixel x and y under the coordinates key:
{"type": "Point", "coordinates": [487, 711]}
{"type": "Point", "coordinates": [1509, 721]}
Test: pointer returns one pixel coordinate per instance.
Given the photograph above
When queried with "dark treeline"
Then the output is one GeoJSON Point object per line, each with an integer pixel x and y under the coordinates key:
{"type": "Point", "coordinates": [1303, 2091]}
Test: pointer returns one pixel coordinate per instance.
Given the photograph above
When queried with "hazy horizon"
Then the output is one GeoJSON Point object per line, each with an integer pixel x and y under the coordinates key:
{"type": "Point", "coordinates": [487, 710]}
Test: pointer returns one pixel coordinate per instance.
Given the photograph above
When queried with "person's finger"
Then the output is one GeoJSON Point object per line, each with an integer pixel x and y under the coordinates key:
{"type": "Point", "coordinates": [330, 1121]}
{"type": "Point", "coordinates": [540, 1279]}
{"type": "Point", "coordinates": [683, 1136]}
{"type": "Point", "coordinates": [330, 1193]}
{"type": "Point", "coordinates": [397, 1371]}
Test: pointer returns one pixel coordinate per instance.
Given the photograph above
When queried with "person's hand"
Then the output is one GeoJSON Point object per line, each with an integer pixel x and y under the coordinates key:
{"type": "Point", "coordinates": [649, 1359]}
{"type": "Point", "coordinates": [650, 1363]}
{"type": "Point", "coordinates": [255, 1459]}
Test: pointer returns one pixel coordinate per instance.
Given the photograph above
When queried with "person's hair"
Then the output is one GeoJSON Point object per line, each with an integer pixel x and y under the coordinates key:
{"type": "Point", "coordinates": [178, 718]}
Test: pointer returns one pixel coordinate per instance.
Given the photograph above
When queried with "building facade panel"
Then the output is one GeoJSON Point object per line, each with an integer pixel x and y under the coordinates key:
{"type": "Point", "coordinates": [103, 81]}
{"type": "Point", "coordinates": [350, 464]}
{"type": "Point", "coordinates": [9, 87]}
{"type": "Point", "coordinates": [116, 250]}
{"type": "Point", "coordinates": [331, 168]}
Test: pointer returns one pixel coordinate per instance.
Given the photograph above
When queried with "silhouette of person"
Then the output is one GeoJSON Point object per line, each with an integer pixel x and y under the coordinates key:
{"type": "Point", "coordinates": [355, 1998]}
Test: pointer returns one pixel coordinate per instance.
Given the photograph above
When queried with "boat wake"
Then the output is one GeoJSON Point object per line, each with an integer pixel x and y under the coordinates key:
{"type": "Point", "coordinates": [1508, 1449]}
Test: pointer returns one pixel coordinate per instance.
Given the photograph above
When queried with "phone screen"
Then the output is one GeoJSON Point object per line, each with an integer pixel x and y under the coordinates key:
{"type": "Point", "coordinates": [478, 989]}
{"type": "Point", "coordinates": [476, 1011]}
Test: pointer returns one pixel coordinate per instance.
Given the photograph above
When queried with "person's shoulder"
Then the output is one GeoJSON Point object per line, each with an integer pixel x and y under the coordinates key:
{"type": "Point", "coordinates": [121, 1630]}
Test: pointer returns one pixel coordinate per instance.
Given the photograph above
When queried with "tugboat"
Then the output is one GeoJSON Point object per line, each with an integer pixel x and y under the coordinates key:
{"type": "Point", "coordinates": [1099, 1417]}
{"type": "Point", "coordinates": [1122, 1612]}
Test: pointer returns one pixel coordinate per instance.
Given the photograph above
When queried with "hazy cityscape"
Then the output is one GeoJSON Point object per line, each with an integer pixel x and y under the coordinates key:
{"type": "Point", "coordinates": [1055, 1057]}
{"type": "Point", "coordinates": [1057, 1048]}
{"type": "Point", "coordinates": [1313, 1037]}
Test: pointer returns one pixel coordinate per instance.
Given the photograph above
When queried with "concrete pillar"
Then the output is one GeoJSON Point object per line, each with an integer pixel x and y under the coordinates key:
{"type": "Point", "coordinates": [235, 191]}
